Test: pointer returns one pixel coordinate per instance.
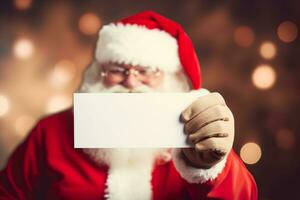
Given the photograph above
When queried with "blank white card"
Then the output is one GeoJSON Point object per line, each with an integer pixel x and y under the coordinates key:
{"type": "Point", "coordinates": [130, 120]}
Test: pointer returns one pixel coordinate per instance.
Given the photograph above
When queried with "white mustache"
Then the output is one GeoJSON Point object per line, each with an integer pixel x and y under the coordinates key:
{"type": "Point", "coordinates": [99, 87]}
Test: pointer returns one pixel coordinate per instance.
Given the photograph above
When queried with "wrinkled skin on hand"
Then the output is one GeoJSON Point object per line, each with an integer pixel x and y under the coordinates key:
{"type": "Point", "coordinates": [209, 126]}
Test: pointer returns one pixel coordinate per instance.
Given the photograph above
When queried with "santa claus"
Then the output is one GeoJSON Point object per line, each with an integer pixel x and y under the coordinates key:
{"type": "Point", "coordinates": [142, 53]}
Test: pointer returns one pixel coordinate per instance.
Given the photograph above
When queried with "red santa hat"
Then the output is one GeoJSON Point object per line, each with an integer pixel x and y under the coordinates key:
{"type": "Point", "coordinates": [151, 40]}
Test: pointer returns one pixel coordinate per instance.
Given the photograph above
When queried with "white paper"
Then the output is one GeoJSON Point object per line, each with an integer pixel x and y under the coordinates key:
{"type": "Point", "coordinates": [130, 120]}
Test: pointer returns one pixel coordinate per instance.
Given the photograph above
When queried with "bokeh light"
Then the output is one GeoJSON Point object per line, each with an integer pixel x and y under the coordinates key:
{"type": "Point", "coordinates": [263, 77]}
{"type": "Point", "coordinates": [23, 48]}
{"type": "Point", "coordinates": [63, 72]}
{"type": "Point", "coordinates": [250, 153]}
{"type": "Point", "coordinates": [22, 4]}
{"type": "Point", "coordinates": [23, 124]}
{"type": "Point", "coordinates": [89, 24]}
{"type": "Point", "coordinates": [267, 50]}
{"type": "Point", "coordinates": [58, 103]}
{"type": "Point", "coordinates": [285, 139]}
{"type": "Point", "coordinates": [244, 36]}
{"type": "Point", "coordinates": [287, 31]}
{"type": "Point", "coordinates": [4, 105]}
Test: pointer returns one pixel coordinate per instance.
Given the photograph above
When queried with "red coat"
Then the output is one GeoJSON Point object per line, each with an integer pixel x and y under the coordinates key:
{"type": "Point", "coordinates": [46, 166]}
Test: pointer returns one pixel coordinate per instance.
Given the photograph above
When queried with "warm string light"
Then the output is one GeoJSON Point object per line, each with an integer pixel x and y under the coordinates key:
{"type": "Point", "coordinates": [267, 50]}
{"type": "Point", "coordinates": [4, 105]}
{"type": "Point", "coordinates": [264, 77]}
{"type": "Point", "coordinates": [22, 4]}
{"type": "Point", "coordinates": [58, 103]}
{"type": "Point", "coordinates": [244, 36]}
{"type": "Point", "coordinates": [250, 153]}
{"type": "Point", "coordinates": [287, 31]}
{"type": "Point", "coordinates": [23, 49]}
{"type": "Point", "coordinates": [63, 72]}
{"type": "Point", "coordinates": [89, 24]}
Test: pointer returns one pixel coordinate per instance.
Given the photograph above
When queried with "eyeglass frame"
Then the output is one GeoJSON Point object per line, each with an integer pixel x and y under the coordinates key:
{"type": "Point", "coordinates": [126, 70]}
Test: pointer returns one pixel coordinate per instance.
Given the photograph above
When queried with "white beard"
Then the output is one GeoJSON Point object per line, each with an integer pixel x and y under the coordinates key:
{"type": "Point", "coordinates": [129, 175]}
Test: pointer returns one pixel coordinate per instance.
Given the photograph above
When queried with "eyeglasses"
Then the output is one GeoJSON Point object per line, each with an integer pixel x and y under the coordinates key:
{"type": "Point", "coordinates": [120, 73]}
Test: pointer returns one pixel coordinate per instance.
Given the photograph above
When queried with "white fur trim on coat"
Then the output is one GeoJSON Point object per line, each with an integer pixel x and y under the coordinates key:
{"type": "Point", "coordinates": [129, 183]}
{"type": "Point", "coordinates": [196, 175]}
{"type": "Point", "coordinates": [130, 171]}
{"type": "Point", "coordinates": [137, 45]}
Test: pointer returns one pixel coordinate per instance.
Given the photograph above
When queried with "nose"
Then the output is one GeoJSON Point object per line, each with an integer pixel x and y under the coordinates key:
{"type": "Point", "coordinates": [131, 81]}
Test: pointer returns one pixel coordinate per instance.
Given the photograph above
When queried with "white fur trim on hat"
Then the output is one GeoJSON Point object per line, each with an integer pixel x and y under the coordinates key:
{"type": "Point", "coordinates": [196, 175]}
{"type": "Point", "coordinates": [137, 45]}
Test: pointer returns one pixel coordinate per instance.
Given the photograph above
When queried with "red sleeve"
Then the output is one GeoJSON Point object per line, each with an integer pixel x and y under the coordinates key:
{"type": "Point", "coordinates": [20, 178]}
{"type": "Point", "coordinates": [234, 183]}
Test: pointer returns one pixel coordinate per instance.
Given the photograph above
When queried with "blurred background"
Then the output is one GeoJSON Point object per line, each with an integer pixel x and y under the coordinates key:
{"type": "Point", "coordinates": [248, 52]}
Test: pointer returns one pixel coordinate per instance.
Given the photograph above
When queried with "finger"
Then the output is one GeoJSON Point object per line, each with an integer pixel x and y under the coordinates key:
{"type": "Point", "coordinates": [208, 116]}
{"type": "Point", "coordinates": [192, 139]}
{"type": "Point", "coordinates": [202, 104]}
{"type": "Point", "coordinates": [214, 129]}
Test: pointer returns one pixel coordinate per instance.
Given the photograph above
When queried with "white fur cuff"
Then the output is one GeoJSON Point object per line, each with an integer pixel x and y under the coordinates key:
{"type": "Point", "coordinates": [196, 175]}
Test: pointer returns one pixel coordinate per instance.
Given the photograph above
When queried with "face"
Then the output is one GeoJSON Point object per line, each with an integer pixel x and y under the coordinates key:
{"type": "Point", "coordinates": [129, 76]}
